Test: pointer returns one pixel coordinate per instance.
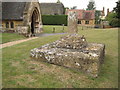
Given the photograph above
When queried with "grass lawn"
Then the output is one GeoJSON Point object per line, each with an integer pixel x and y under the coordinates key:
{"type": "Point", "coordinates": [20, 71]}
{"type": "Point", "coordinates": [58, 29]}
{"type": "Point", "coordinates": [8, 37]}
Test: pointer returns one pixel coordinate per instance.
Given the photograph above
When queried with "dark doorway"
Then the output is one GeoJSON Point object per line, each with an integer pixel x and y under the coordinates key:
{"type": "Point", "coordinates": [33, 24]}
{"type": "Point", "coordinates": [34, 21]}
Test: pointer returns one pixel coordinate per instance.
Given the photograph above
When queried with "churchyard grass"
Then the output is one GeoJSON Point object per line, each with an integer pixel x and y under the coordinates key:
{"type": "Point", "coordinates": [20, 71]}
{"type": "Point", "coordinates": [58, 29]}
{"type": "Point", "coordinates": [8, 37]}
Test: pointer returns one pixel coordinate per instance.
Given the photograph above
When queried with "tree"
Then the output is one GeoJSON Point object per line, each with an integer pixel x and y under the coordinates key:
{"type": "Point", "coordinates": [74, 7]}
{"type": "Point", "coordinates": [97, 17]}
{"type": "Point", "coordinates": [58, 1]}
{"type": "Point", "coordinates": [91, 5]}
{"type": "Point", "coordinates": [113, 21]}
{"type": "Point", "coordinates": [65, 9]}
{"type": "Point", "coordinates": [114, 16]}
{"type": "Point", "coordinates": [111, 16]}
{"type": "Point", "coordinates": [117, 9]}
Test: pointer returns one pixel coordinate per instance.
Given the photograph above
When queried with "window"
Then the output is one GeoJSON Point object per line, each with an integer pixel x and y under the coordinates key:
{"type": "Point", "coordinates": [55, 13]}
{"type": "Point", "coordinates": [86, 22]}
{"type": "Point", "coordinates": [7, 24]}
{"type": "Point", "coordinates": [79, 22]}
{"type": "Point", "coordinates": [12, 25]}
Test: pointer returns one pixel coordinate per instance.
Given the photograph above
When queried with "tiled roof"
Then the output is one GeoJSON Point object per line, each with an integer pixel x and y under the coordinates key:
{"type": "Point", "coordinates": [89, 14]}
{"type": "Point", "coordinates": [84, 14]}
{"type": "Point", "coordinates": [52, 8]}
{"type": "Point", "coordinates": [12, 10]}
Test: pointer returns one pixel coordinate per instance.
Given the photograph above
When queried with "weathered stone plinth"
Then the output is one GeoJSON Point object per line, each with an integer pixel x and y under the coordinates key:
{"type": "Point", "coordinates": [72, 22]}
{"type": "Point", "coordinates": [74, 52]}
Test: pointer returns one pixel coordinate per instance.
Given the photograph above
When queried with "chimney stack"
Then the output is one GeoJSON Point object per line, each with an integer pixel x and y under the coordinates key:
{"type": "Point", "coordinates": [103, 9]}
{"type": "Point", "coordinates": [108, 11]}
{"type": "Point", "coordinates": [103, 12]}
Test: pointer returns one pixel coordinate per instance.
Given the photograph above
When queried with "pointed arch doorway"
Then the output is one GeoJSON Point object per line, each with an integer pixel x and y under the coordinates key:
{"type": "Point", "coordinates": [35, 19]}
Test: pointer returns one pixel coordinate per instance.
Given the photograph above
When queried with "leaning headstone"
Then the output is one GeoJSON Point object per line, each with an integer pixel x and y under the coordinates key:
{"type": "Point", "coordinates": [72, 22]}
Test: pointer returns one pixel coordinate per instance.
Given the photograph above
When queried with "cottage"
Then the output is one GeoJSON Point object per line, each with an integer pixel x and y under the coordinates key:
{"type": "Point", "coordinates": [87, 17]}
{"type": "Point", "coordinates": [24, 17]}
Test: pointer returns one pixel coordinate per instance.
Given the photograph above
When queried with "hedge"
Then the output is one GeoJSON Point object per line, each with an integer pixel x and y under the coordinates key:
{"type": "Point", "coordinates": [54, 19]}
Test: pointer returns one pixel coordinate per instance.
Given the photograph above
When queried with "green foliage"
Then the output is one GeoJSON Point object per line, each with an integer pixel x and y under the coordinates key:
{"type": "Point", "coordinates": [58, 1]}
{"type": "Point", "coordinates": [113, 21]}
{"type": "Point", "coordinates": [91, 5]}
{"type": "Point", "coordinates": [117, 9]}
{"type": "Point", "coordinates": [111, 16]}
{"type": "Point", "coordinates": [74, 7]}
{"type": "Point", "coordinates": [54, 19]}
{"type": "Point", "coordinates": [97, 17]}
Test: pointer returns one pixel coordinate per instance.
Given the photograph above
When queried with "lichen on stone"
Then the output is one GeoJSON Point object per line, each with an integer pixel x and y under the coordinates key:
{"type": "Point", "coordinates": [72, 51]}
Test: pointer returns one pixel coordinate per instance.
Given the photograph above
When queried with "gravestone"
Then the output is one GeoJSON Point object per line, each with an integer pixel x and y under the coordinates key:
{"type": "Point", "coordinates": [72, 22]}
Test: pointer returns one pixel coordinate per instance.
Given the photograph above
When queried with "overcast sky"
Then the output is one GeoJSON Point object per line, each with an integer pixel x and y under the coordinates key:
{"type": "Point", "coordinates": [83, 3]}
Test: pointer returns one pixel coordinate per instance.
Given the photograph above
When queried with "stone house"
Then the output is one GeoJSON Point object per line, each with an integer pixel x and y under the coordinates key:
{"type": "Point", "coordinates": [85, 17]}
{"type": "Point", "coordinates": [52, 8]}
{"type": "Point", "coordinates": [23, 17]}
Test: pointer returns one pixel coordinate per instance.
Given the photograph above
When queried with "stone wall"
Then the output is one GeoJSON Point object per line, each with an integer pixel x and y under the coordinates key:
{"type": "Point", "coordinates": [23, 30]}
{"type": "Point", "coordinates": [16, 23]}
{"type": "Point", "coordinates": [28, 12]}
{"type": "Point", "coordinates": [91, 23]}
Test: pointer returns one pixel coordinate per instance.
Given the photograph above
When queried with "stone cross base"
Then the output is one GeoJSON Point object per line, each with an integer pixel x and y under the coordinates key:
{"type": "Point", "coordinates": [87, 58]}
{"type": "Point", "coordinates": [72, 22]}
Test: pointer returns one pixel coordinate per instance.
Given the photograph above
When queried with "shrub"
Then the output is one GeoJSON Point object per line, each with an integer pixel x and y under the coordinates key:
{"type": "Point", "coordinates": [54, 19]}
{"type": "Point", "coordinates": [115, 22]}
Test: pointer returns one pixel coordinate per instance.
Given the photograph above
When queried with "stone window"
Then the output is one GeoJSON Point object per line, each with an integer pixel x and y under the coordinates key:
{"type": "Point", "coordinates": [79, 22]}
{"type": "Point", "coordinates": [86, 22]}
{"type": "Point", "coordinates": [12, 25]}
{"type": "Point", "coordinates": [7, 24]}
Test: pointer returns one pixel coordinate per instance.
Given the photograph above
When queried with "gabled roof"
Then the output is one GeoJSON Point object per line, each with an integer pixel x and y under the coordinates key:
{"type": "Point", "coordinates": [13, 10]}
{"type": "Point", "coordinates": [89, 14]}
{"type": "Point", "coordinates": [84, 14]}
{"type": "Point", "coordinates": [52, 8]}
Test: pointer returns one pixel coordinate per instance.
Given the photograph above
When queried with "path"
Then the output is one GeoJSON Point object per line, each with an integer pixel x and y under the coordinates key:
{"type": "Point", "coordinates": [15, 42]}
{"type": "Point", "coordinates": [49, 34]}
{"type": "Point", "coordinates": [24, 40]}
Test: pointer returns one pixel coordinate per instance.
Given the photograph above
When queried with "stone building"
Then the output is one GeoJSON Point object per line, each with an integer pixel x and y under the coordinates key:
{"type": "Point", "coordinates": [85, 17]}
{"type": "Point", "coordinates": [23, 17]}
{"type": "Point", "coordinates": [52, 8]}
